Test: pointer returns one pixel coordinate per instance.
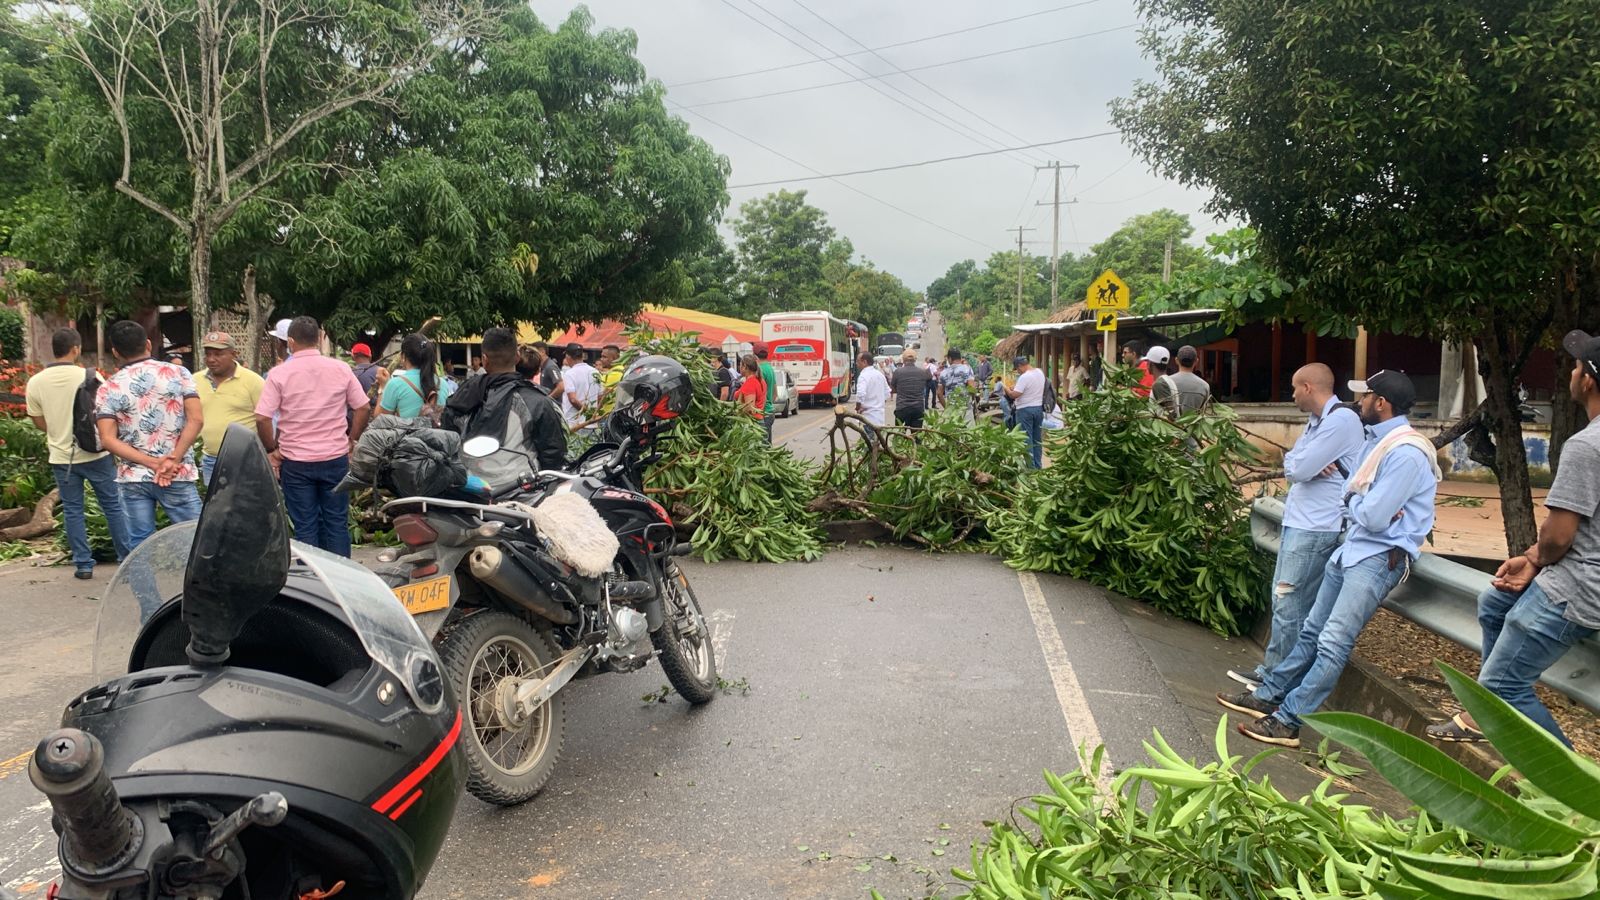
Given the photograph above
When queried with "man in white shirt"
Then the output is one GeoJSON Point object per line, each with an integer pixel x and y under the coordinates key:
{"type": "Point", "coordinates": [581, 383]}
{"type": "Point", "coordinates": [1027, 400]}
{"type": "Point", "coordinates": [872, 391]}
{"type": "Point", "coordinates": [1076, 376]}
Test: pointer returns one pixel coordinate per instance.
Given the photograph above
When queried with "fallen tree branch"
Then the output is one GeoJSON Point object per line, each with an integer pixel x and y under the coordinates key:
{"type": "Point", "coordinates": [42, 523]}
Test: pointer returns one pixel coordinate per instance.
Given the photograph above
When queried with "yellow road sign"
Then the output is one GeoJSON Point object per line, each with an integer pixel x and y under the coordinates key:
{"type": "Point", "coordinates": [1105, 320]}
{"type": "Point", "coordinates": [1108, 292]}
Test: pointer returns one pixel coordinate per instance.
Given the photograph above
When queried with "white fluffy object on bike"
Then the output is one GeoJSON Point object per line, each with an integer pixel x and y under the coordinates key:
{"type": "Point", "coordinates": [577, 534]}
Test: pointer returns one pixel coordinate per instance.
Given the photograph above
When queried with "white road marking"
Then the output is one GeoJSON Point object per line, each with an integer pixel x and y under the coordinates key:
{"type": "Point", "coordinates": [721, 630]}
{"type": "Point", "coordinates": [1124, 693]}
{"type": "Point", "coordinates": [1069, 693]}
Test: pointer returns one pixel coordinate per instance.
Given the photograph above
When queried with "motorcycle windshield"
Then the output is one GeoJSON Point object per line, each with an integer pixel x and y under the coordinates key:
{"type": "Point", "coordinates": [152, 576]}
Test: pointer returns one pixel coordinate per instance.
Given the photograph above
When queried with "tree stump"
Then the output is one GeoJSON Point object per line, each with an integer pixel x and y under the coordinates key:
{"type": "Point", "coordinates": [41, 523]}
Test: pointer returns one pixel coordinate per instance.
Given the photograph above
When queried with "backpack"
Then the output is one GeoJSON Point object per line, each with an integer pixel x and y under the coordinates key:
{"type": "Point", "coordinates": [432, 410]}
{"type": "Point", "coordinates": [84, 430]}
{"type": "Point", "coordinates": [1050, 403]}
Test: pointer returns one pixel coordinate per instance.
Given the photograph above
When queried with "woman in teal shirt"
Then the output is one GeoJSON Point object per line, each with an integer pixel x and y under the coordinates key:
{"type": "Point", "coordinates": [417, 383]}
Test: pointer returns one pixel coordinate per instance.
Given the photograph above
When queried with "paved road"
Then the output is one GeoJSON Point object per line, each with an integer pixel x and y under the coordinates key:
{"type": "Point", "coordinates": [897, 700]}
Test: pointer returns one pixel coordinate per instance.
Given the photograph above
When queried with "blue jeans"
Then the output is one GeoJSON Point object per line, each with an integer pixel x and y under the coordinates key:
{"type": "Point", "coordinates": [139, 498]}
{"type": "Point", "coordinates": [320, 515]}
{"type": "Point", "coordinates": [1523, 635]}
{"type": "Point", "coordinates": [1031, 420]}
{"type": "Point", "coordinates": [102, 474]}
{"type": "Point", "coordinates": [1302, 558]}
{"type": "Point", "coordinates": [1346, 601]}
{"type": "Point", "coordinates": [208, 464]}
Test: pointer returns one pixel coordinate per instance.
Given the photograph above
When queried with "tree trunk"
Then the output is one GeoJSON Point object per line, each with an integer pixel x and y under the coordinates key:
{"type": "Point", "coordinates": [256, 311]}
{"type": "Point", "coordinates": [200, 285]}
{"type": "Point", "coordinates": [1511, 457]}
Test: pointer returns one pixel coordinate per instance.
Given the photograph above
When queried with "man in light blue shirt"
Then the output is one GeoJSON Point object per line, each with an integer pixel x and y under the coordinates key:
{"type": "Point", "coordinates": [1313, 513]}
{"type": "Point", "coordinates": [1389, 510]}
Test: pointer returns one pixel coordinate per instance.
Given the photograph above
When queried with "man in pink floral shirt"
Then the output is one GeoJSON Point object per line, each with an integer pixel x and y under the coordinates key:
{"type": "Point", "coordinates": [148, 414]}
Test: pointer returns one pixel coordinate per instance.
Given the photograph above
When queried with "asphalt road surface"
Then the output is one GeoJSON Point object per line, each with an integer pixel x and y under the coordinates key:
{"type": "Point", "coordinates": [896, 700]}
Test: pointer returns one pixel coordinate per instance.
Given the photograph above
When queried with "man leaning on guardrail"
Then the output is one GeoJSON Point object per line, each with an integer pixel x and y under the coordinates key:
{"type": "Point", "coordinates": [1389, 507]}
{"type": "Point", "coordinates": [1546, 600]}
{"type": "Point", "coordinates": [1313, 514]}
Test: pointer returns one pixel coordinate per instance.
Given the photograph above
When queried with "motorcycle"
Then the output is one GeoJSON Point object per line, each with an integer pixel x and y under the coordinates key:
{"type": "Point", "coordinates": [267, 725]}
{"type": "Point", "coordinates": [556, 576]}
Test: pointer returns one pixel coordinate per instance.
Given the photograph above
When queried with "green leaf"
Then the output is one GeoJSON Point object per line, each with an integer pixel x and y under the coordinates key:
{"type": "Point", "coordinates": [1445, 788]}
{"type": "Point", "coordinates": [1534, 870]}
{"type": "Point", "coordinates": [1579, 884]}
{"type": "Point", "coordinates": [1542, 759]}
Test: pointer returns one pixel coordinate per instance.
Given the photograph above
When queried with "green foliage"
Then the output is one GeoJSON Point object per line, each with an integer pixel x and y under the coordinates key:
{"type": "Point", "coordinates": [782, 241]}
{"type": "Point", "coordinates": [955, 479]}
{"type": "Point", "coordinates": [744, 499]}
{"type": "Point", "coordinates": [1213, 831]}
{"type": "Point", "coordinates": [24, 463]}
{"type": "Point", "coordinates": [1172, 828]}
{"type": "Point", "coordinates": [1235, 281]}
{"type": "Point", "coordinates": [1128, 504]}
{"type": "Point", "coordinates": [10, 333]}
{"type": "Point", "coordinates": [1137, 252]}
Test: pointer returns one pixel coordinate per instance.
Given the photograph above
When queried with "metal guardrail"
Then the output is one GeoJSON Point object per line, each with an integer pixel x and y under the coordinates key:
{"type": "Point", "coordinates": [1442, 596]}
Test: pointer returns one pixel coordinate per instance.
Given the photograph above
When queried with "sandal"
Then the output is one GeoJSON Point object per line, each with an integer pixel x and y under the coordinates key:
{"type": "Point", "coordinates": [1454, 731]}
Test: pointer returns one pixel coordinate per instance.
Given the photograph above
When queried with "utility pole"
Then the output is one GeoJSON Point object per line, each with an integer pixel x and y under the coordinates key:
{"type": "Point", "coordinates": [1019, 230]}
{"type": "Point", "coordinates": [1166, 264]}
{"type": "Point", "coordinates": [1055, 236]}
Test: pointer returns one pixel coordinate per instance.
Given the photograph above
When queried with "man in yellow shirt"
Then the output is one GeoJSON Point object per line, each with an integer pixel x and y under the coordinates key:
{"type": "Point", "coordinates": [228, 393]}
{"type": "Point", "coordinates": [610, 374]}
{"type": "Point", "coordinates": [51, 395]}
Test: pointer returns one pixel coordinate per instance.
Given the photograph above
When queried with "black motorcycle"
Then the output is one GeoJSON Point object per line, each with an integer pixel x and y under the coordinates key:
{"type": "Point", "coordinates": [269, 724]}
{"type": "Point", "coordinates": [556, 575]}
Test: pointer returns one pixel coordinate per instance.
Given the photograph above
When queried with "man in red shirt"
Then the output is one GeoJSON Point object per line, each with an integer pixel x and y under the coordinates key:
{"type": "Point", "coordinates": [1152, 365]}
{"type": "Point", "coordinates": [309, 394]}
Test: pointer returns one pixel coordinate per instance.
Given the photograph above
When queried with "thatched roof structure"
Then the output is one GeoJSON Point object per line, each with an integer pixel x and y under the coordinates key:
{"type": "Point", "coordinates": [1012, 343]}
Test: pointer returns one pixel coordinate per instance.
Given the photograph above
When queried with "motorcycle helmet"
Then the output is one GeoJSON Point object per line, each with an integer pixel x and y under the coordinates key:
{"type": "Point", "coordinates": [652, 394]}
{"type": "Point", "coordinates": [276, 667]}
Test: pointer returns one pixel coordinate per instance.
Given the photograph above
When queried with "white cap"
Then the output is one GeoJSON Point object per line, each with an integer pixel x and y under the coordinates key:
{"type": "Point", "coordinates": [280, 330]}
{"type": "Point", "coordinates": [1158, 355]}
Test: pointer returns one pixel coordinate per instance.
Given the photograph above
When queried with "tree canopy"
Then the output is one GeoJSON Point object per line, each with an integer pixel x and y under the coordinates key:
{"type": "Point", "coordinates": [1419, 166]}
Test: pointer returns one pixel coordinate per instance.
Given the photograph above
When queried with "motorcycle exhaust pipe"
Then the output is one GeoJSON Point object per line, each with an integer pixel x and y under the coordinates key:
{"type": "Point", "coordinates": [490, 566]}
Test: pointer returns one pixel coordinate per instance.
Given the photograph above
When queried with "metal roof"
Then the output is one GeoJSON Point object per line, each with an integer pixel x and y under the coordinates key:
{"type": "Point", "coordinates": [1184, 317]}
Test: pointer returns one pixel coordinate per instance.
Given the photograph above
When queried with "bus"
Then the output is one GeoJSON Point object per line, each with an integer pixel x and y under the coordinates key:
{"type": "Point", "coordinates": [817, 349]}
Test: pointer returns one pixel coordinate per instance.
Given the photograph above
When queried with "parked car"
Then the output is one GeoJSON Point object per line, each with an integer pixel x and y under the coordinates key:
{"type": "Point", "coordinates": [787, 401]}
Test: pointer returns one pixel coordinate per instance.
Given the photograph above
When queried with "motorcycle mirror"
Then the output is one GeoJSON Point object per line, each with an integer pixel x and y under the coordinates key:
{"type": "Point", "coordinates": [480, 446]}
{"type": "Point", "coordinates": [240, 558]}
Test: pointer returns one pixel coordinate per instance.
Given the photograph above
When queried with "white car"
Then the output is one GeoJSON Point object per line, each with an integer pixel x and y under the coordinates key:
{"type": "Point", "coordinates": [787, 401]}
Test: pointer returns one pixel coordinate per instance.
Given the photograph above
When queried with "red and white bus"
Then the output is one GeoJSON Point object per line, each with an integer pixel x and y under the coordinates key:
{"type": "Point", "coordinates": [816, 349]}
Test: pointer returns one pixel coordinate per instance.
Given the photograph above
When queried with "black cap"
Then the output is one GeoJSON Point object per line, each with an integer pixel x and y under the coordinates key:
{"type": "Point", "coordinates": [1395, 387]}
{"type": "Point", "coordinates": [1585, 349]}
{"type": "Point", "coordinates": [1019, 360]}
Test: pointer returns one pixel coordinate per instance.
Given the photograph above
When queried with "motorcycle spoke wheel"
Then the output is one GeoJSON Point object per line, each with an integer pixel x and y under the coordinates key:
{"type": "Point", "coordinates": [683, 642]}
{"type": "Point", "coordinates": [513, 749]}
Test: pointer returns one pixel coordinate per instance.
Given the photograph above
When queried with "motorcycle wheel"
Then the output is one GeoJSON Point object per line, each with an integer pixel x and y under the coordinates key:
{"type": "Point", "coordinates": [506, 764]}
{"type": "Point", "coordinates": [683, 642]}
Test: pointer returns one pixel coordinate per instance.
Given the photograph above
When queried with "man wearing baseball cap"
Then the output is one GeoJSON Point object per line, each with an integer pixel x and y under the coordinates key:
{"type": "Point", "coordinates": [366, 370]}
{"type": "Point", "coordinates": [1388, 511]}
{"type": "Point", "coordinates": [1544, 601]}
{"type": "Point", "coordinates": [1027, 399]}
{"type": "Point", "coordinates": [228, 393]}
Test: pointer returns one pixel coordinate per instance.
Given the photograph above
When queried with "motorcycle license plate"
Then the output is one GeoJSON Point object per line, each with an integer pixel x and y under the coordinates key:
{"type": "Point", "coordinates": [425, 596]}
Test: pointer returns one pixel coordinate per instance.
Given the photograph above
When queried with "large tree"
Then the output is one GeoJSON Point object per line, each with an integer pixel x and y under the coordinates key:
{"type": "Point", "coordinates": [783, 241]}
{"type": "Point", "coordinates": [1137, 252]}
{"type": "Point", "coordinates": [1422, 166]}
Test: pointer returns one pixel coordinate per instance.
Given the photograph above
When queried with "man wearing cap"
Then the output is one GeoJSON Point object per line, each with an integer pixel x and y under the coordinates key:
{"type": "Point", "coordinates": [1544, 601]}
{"type": "Point", "coordinates": [280, 340]}
{"type": "Point", "coordinates": [1027, 399]}
{"type": "Point", "coordinates": [1388, 508]}
{"type": "Point", "coordinates": [228, 393]}
{"type": "Point", "coordinates": [1152, 365]}
{"type": "Point", "coordinates": [1185, 392]}
{"type": "Point", "coordinates": [365, 369]}
{"type": "Point", "coordinates": [770, 378]}
{"type": "Point", "coordinates": [909, 384]}
{"type": "Point", "coordinates": [1316, 468]}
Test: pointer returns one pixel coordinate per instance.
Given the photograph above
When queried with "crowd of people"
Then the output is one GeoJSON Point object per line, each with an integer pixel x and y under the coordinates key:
{"type": "Point", "coordinates": [1361, 502]}
{"type": "Point", "coordinates": [130, 437]}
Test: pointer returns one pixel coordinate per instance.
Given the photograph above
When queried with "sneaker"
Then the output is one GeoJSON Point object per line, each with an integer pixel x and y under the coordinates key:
{"type": "Point", "coordinates": [1248, 679]}
{"type": "Point", "coordinates": [1268, 730]}
{"type": "Point", "coordinates": [1246, 702]}
{"type": "Point", "coordinates": [83, 574]}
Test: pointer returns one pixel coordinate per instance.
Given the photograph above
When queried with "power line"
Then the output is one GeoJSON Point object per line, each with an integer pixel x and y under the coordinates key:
{"type": "Point", "coordinates": [922, 68]}
{"type": "Point", "coordinates": [970, 134]}
{"type": "Point", "coordinates": [920, 40]}
{"type": "Point", "coordinates": [930, 88]}
{"type": "Point", "coordinates": [849, 187]}
{"type": "Point", "coordinates": [1026, 196]}
{"type": "Point", "coordinates": [1108, 177]}
{"type": "Point", "coordinates": [918, 163]}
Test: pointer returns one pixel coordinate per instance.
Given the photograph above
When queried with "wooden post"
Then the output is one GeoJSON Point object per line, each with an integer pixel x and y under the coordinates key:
{"type": "Point", "coordinates": [1361, 352]}
{"type": "Point", "coordinates": [1277, 361]}
{"type": "Point", "coordinates": [1311, 347]}
{"type": "Point", "coordinates": [100, 334]}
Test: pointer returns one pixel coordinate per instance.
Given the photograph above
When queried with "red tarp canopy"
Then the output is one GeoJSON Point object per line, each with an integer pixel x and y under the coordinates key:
{"type": "Point", "coordinates": [712, 329]}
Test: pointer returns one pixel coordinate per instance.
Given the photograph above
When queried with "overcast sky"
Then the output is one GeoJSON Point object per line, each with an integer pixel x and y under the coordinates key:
{"type": "Point", "coordinates": [1029, 96]}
